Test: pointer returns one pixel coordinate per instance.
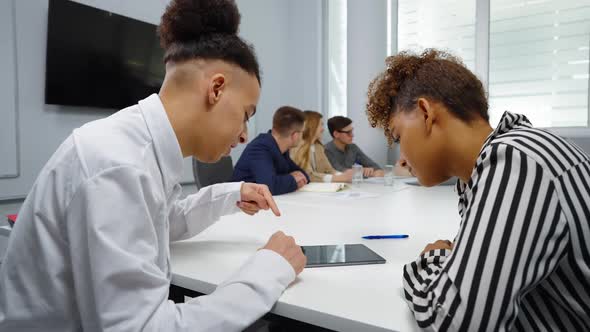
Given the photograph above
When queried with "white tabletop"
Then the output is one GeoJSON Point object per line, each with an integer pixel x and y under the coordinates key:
{"type": "Point", "coordinates": [350, 298]}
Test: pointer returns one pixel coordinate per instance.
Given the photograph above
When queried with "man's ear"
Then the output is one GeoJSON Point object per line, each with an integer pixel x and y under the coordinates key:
{"type": "Point", "coordinates": [427, 113]}
{"type": "Point", "coordinates": [216, 88]}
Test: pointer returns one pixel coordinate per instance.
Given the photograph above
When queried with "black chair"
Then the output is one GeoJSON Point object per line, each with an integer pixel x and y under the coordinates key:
{"type": "Point", "coordinates": [207, 174]}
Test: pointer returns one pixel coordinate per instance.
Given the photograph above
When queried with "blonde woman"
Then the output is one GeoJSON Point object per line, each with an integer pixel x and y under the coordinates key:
{"type": "Point", "coordinates": [310, 155]}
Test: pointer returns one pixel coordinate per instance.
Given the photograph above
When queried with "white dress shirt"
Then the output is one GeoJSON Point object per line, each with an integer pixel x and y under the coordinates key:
{"type": "Point", "coordinates": [90, 250]}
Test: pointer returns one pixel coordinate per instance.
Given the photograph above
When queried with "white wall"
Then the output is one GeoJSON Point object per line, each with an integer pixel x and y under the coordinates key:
{"type": "Point", "coordinates": [284, 33]}
{"type": "Point", "coordinates": [305, 54]}
{"type": "Point", "coordinates": [271, 46]}
{"type": "Point", "coordinates": [8, 116]}
{"type": "Point", "coordinates": [367, 49]}
{"type": "Point", "coordinates": [287, 37]}
{"type": "Point", "coordinates": [41, 128]}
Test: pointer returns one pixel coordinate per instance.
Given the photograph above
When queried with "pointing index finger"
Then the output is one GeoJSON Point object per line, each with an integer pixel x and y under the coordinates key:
{"type": "Point", "coordinates": [271, 202]}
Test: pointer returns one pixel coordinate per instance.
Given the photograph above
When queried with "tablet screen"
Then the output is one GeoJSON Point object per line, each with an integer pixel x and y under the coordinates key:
{"type": "Point", "coordinates": [338, 255]}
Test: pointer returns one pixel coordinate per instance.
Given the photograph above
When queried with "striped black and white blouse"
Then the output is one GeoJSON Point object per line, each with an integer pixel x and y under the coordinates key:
{"type": "Point", "coordinates": [521, 259]}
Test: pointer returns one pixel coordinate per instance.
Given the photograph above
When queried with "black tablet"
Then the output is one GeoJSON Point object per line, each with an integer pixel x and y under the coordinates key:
{"type": "Point", "coordinates": [339, 255]}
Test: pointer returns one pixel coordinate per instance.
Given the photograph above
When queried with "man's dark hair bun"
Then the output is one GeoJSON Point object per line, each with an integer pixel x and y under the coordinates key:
{"type": "Point", "coordinates": [190, 20]}
{"type": "Point", "coordinates": [205, 29]}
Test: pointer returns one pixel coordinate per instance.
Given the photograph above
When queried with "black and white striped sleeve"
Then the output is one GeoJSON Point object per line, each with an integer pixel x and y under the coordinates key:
{"type": "Point", "coordinates": [512, 235]}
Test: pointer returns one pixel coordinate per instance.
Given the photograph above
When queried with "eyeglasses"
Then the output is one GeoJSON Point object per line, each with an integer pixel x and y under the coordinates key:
{"type": "Point", "coordinates": [347, 132]}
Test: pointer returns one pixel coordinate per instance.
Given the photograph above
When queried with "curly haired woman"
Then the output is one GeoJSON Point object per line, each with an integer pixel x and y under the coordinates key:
{"type": "Point", "coordinates": [521, 257]}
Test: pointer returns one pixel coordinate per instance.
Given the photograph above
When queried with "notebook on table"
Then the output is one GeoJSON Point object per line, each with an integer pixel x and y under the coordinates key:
{"type": "Point", "coordinates": [322, 187]}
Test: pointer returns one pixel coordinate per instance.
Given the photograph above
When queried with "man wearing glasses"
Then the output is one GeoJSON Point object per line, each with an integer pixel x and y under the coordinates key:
{"type": "Point", "coordinates": [342, 153]}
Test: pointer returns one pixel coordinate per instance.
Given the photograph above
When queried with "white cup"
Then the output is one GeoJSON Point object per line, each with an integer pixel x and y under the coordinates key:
{"type": "Point", "coordinates": [357, 174]}
{"type": "Point", "coordinates": [388, 175]}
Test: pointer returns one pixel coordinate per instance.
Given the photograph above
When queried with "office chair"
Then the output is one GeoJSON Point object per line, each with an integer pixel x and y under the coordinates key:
{"type": "Point", "coordinates": [207, 174]}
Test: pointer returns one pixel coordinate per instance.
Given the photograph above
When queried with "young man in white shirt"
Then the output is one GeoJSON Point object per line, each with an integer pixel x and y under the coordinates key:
{"type": "Point", "coordinates": [91, 248]}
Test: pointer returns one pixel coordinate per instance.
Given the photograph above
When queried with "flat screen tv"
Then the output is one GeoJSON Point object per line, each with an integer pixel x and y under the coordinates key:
{"type": "Point", "coordinates": [99, 59]}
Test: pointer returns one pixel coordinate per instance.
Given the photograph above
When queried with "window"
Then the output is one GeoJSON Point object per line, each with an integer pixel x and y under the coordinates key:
{"type": "Point", "coordinates": [539, 51]}
{"type": "Point", "coordinates": [336, 57]}
{"type": "Point", "coordinates": [444, 24]}
{"type": "Point", "coordinates": [539, 54]}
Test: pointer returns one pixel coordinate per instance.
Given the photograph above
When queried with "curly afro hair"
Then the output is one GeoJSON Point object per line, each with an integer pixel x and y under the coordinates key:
{"type": "Point", "coordinates": [434, 75]}
{"type": "Point", "coordinates": [205, 29]}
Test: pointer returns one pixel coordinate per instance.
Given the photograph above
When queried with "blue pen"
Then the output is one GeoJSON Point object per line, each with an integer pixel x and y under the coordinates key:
{"type": "Point", "coordinates": [376, 237]}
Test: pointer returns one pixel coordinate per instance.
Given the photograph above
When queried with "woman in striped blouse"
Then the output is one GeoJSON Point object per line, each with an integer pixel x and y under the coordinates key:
{"type": "Point", "coordinates": [521, 258]}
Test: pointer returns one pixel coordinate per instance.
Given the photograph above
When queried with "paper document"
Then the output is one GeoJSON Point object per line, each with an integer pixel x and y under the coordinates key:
{"type": "Point", "coordinates": [322, 187]}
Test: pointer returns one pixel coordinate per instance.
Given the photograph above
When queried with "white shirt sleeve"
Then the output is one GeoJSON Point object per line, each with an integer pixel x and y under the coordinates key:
{"type": "Point", "coordinates": [330, 177]}
{"type": "Point", "coordinates": [192, 215]}
{"type": "Point", "coordinates": [113, 227]}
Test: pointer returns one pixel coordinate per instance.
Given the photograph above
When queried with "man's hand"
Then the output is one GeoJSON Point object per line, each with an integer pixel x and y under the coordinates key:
{"type": "Point", "coordinates": [368, 172]}
{"type": "Point", "coordinates": [440, 244]}
{"type": "Point", "coordinates": [299, 178]}
{"type": "Point", "coordinates": [379, 173]}
{"type": "Point", "coordinates": [285, 246]}
{"type": "Point", "coordinates": [255, 197]}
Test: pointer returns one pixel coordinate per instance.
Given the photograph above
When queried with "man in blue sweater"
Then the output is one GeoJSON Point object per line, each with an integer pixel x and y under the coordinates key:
{"type": "Point", "coordinates": [266, 159]}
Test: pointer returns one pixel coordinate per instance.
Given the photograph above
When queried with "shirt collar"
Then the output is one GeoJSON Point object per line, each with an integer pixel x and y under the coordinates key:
{"type": "Point", "coordinates": [508, 122]}
{"type": "Point", "coordinates": [167, 149]}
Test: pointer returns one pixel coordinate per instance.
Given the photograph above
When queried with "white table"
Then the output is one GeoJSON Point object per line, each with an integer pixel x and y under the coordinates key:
{"type": "Point", "coordinates": [351, 298]}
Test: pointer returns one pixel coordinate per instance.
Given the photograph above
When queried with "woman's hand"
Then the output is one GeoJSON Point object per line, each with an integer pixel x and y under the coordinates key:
{"type": "Point", "coordinates": [440, 244]}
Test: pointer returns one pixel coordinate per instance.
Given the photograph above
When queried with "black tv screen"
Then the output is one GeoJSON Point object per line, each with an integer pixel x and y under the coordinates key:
{"type": "Point", "coordinates": [99, 59]}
